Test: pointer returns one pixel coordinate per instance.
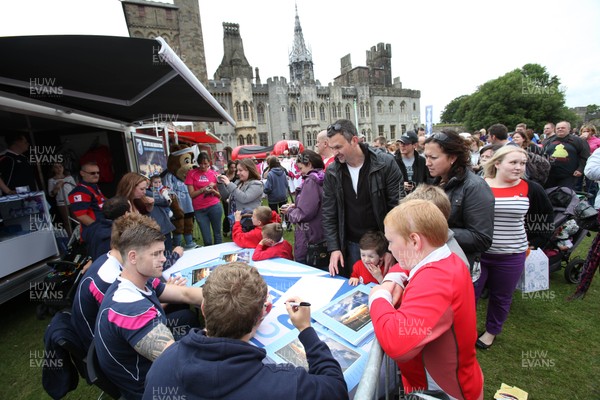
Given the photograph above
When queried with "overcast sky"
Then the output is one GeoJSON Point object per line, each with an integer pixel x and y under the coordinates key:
{"type": "Point", "coordinates": [443, 48]}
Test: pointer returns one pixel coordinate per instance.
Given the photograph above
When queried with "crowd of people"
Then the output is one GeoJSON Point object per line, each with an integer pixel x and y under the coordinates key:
{"type": "Point", "coordinates": [432, 221]}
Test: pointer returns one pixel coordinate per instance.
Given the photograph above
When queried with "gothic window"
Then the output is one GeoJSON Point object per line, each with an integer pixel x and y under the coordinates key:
{"type": "Point", "coordinates": [249, 139]}
{"type": "Point", "coordinates": [294, 135]}
{"type": "Point", "coordinates": [260, 114]}
{"type": "Point", "coordinates": [322, 112]}
{"type": "Point", "coordinates": [392, 132]}
{"type": "Point", "coordinates": [339, 109]}
{"type": "Point", "coordinates": [245, 111]}
{"type": "Point", "coordinates": [238, 111]}
{"type": "Point", "coordinates": [309, 139]}
{"type": "Point", "coordinates": [348, 111]}
{"type": "Point", "coordinates": [241, 140]}
{"type": "Point", "coordinates": [306, 111]}
{"type": "Point", "coordinates": [403, 106]}
{"type": "Point", "coordinates": [380, 107]}
{"type": "Point", "coordinates": [312, 110]}
{"type": "Point", "coordinates": [334, 112]}
{"type": "Point", "coordinates": [293, 113]}
{"type": "Point", "coordinates": [362, 109]}
{"type": "Point", "coordinates": [367, 109]}
{"type": "Point", "coordinates": [414, 106]}
{"type": "Point", "coordinates": [391, 106]}
{"type": "Point", "coordinates": [264, 139]}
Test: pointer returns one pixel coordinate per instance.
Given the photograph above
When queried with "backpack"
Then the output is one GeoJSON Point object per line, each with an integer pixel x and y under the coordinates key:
{"type": "Point", "coordinates": [537, 168]}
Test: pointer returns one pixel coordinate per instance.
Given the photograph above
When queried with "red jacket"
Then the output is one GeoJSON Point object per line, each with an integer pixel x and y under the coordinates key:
{"type": "Point", "coordinates": [247, 240]}
{"type": "Point", "coordinates": [282, 249]}
{"type": "Point", "coordinates": [432, 335]}
{"type": "Point", "coordinates": [359, 270]}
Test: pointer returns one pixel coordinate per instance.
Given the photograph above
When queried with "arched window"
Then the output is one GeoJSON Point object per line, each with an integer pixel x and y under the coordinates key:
{"type": "Point", "coordinates": [260, 113]}
{"type": "Point", "coordinates": [306, 111]}
{"type": "Point", "coordinates": [312, 110]}
{"type": "Point", "coordinates": [249, 139]}
{"type": "Point", "coordinates": [293, 113]}
{"type": "Point", "coordinates": [322, 112]}
{"type": "Point", "coordinates": [391, 106]}
{"type": "Point", "coordinates": [403, 106]}
{"type": "Point", "coordinates": [238, 111]}
{"type": "Point", "coordinates": [245, 111]}
{"type": "Point", "coordinates": [339, 109]}
{"type": "Point", "coordinates": [367, 106]}
{"type": "Point", "coordinates": [348, 112]}
{"type": "Point", "coordinates": [241, 140]}
{"type": "Point", "coordinates": [362, 109]}
{"type": "Point", "coordinates": [379, 107]}
{"type": "Point", "coordinates": [334, 111]}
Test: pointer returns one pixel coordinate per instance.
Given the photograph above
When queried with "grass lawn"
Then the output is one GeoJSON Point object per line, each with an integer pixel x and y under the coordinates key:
{"type": "Point", "coordinates": [549, 347]}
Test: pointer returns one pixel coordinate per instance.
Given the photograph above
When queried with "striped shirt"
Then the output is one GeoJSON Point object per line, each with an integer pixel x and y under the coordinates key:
{"type": "Point", "coordinates": [510, 208]}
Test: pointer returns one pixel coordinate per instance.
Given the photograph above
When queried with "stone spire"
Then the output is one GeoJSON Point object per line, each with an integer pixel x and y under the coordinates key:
{"type": "Point", "coordinates": [301, 65]}
{"type": "Point", "coordinates": [234, 63]}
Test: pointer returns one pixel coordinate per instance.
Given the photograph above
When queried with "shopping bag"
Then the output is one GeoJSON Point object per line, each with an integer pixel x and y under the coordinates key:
{"type": "Point", "coordinates": [535, 276]}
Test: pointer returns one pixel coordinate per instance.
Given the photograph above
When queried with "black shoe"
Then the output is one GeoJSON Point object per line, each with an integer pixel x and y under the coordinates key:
{"type": "Point", "coordinates": [480, 345]}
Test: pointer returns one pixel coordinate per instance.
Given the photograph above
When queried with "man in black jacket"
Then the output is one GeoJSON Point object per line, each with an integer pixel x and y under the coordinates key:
{"type": "Point", "coordinates": [411, 164]}
{"type": "Point", "coordinates": [360, 188]}
{"type": "Point", "coordinates": [568, 154]}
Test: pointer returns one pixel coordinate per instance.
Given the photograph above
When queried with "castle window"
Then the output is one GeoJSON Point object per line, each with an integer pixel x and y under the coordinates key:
{"type": "Point", "coordinates": [306, 111]}
{"type": "Point", "coordinates": [414, 106]}
{"type": "Point", "coordinates": [141, 11]}
{"type": "Point", "coordinates": [260, 114]}
{"type": "Point", "coordinates": [238, 111]}
{"type": "Point", "coordinates": [309, 139]}
{"type": "Point", "coordinates": [403, 106]}
{"type": "Point", "coordinates": [240, 140]}
{"type": "Point", "coordinates": [362, 109]}
{"type": "Point", "coordinates": [264, 139]}
{"type": "Point", "coordinates": [293, 113]}
{"type": "Point", "coordinates": [391, 106]}
{"type": "Point", "coordinates": [312, 110]}
{"type": "Point", "coordinates": [169, 15]}
{"type": "Point", "coordinates": [381, 132]}
{"type": "Point", "coordinates": [322, 112]}
{"type": "Point", "coordinates": [334, 112]}
{"type": "Point", "coordinates": [380, 107]}
{"type": "Point", "coordinates": [249, 139]}
{"type": "Point", "coordinates": [367, 109]}
{"type": "Point", "coordinates": [348, 111]}
{"type": "Point", "coordinates": [294, 135]}
{"type": "Point", "coordinates": [339, 110]}
{"type": "Point", "coordinates": [245, 110]}
{"type": "Point", "coordinates": [403, 127]}
{"type": "Point", "coordinates": [392, 132]}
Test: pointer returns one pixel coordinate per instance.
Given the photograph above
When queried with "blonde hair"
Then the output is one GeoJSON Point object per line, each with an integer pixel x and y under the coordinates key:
{"type": "Point", "coordinates": [421, 217]}
{"type": "Point", "coordinates": [489, 168]}
{"type": "Point", "coordinates": [434, 194]}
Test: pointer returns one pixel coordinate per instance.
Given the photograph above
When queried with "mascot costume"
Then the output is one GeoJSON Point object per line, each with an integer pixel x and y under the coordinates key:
{"type": "Point", "coordinates": [181, 160]}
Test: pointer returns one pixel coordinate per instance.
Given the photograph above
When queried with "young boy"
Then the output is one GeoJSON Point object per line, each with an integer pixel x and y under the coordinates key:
{"type": "Point", "coordinates": [370, 268]}
{"type": "Point", "coordinates": [221, 363]}
{"type": "Point", "coordinates": [273, 244]}
{"type": "Point", "coordinates": [159, 190]}
{"type": "Point", "coordinates": [261, 216]}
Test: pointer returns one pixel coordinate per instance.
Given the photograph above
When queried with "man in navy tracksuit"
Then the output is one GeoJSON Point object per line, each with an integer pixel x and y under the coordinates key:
{"type": "Point", "coordinates": [220, 363]}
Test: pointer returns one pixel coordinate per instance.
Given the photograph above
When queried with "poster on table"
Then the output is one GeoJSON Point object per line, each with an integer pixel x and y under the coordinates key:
{"type": "Point", "coordinates": [150, 154]}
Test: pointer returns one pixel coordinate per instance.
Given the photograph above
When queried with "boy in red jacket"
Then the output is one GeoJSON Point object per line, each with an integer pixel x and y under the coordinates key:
{"type": "Point", "coordinates": [273, 244]}
{"type": "Point", "coordinates": [261, 216]}
{"type": "Point", "coordinates": [370, 268]}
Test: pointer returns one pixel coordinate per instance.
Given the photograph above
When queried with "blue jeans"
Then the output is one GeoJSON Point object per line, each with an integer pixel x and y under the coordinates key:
{"type": "Point", "coordinates": [207, 218]}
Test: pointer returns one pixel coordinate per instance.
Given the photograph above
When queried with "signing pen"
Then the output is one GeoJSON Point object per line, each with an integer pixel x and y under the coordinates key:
{"type": "Point", "coordinates": [296, 304]}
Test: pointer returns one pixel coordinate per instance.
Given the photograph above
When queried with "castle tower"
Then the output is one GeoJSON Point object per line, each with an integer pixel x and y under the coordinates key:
{"type": "Point", "coordinates": [178, 24]}
{"type": "Point", "coordinates": [301, 65]}
{"type": "Point", "coordinates": [234, 63]}
{"type": "Point", "coordinates": [379, 62]}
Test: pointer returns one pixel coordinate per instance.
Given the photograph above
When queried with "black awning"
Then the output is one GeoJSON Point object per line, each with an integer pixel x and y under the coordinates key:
{"type": "Point", "coordinates": [117, 78]}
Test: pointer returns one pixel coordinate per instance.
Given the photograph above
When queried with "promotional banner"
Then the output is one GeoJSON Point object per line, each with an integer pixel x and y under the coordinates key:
{"type": "Point", "coordinates": [150, 154]}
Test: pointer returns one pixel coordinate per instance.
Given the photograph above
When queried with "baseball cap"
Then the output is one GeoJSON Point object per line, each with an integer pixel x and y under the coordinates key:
{"type": "Point", "coordinates": [409, 138]}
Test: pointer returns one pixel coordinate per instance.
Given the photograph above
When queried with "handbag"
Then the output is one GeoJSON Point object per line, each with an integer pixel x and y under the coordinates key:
{"type": "Point", "coordinates": [317, 255]}
{"type": "Point", "coordinates": [535, 275]}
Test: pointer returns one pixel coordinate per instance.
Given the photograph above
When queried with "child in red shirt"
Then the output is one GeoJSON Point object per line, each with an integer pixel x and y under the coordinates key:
{"type": "Point", "coordinates": [261, 216]}
{"type": "Point", "coordinates": [273, 244]}
{"type": "Point", "coordinates": [370, 268]}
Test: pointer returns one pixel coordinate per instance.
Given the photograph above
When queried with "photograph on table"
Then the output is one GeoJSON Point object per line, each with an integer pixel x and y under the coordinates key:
{"type": "Point", "coordinates": [348, 315]}
{"type": "Point", "coordinates": [243, 255]}
{"type": "Point", "coordinates": [288, 349]}
{"type": "Point", "coordinates": [196, 275]}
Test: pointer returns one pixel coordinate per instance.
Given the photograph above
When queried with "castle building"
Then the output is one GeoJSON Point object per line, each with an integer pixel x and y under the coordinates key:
{"type": "Point", "coordinates": [277, 110]}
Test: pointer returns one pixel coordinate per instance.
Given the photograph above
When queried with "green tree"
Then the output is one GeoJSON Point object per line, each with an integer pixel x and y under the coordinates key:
{"type": "Point", "coordinates": [528, 95]}
{"type": "Point", "coordinates": [451, 114]}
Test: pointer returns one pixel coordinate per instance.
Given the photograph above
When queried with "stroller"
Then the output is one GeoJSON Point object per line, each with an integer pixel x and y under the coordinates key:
{"type": "Point", "coordinates": [59, 286]}
{"type": "Point", "coordinates": [574, 218]}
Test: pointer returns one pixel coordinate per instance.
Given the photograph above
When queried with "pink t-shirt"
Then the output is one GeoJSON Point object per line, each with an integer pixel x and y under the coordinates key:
{"type": "Point", "coordinates": [199, 180]}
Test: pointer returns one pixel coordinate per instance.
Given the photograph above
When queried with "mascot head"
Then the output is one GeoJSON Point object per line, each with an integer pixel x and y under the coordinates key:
{"type": "Point", "coordinates": [181, 160]}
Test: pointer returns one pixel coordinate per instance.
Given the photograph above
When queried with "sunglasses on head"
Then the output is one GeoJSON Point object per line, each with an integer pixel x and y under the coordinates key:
{"type": "Point", "coordinates": [334, 128]}
{"type": "Point", "coordinates": [440, 137]}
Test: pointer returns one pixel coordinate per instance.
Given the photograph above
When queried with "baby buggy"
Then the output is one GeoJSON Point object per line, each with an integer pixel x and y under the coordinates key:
{"type": "Point", "coordinates": [574, 218]}
{"type": "Point", "coordinates": [59, 286]}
